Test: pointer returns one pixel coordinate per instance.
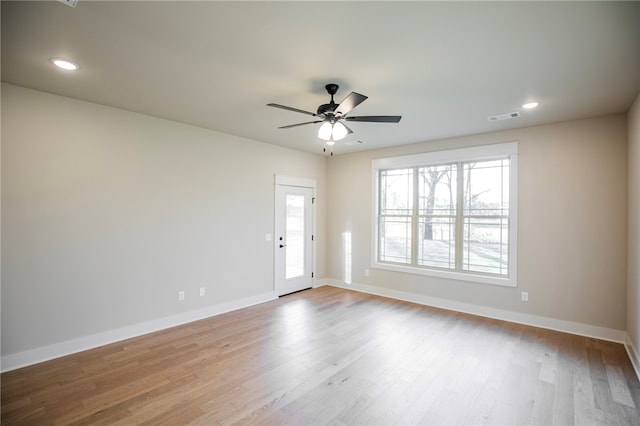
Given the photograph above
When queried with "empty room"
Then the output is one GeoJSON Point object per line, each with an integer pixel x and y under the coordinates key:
{"type": "Point", "coordinates": [320, 212]}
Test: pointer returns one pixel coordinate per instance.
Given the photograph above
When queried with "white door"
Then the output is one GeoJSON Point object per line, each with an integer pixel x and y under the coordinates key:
{"type": "Point", "coordinates": [293, 238]}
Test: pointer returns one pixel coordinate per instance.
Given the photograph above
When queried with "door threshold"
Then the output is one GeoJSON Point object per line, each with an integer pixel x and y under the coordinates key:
{"type": "Point", "coordinates": [294, 292]}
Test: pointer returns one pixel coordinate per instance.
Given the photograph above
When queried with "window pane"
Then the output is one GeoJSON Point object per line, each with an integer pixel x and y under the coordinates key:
{"type": "Point", "coordinates": [486, 188]}
{"type": "Point", "coordinates": [437, 190]}
{"type": "Point", "coordinates": [395, 239]}
{"type": "Point", "coordinates": [485, 245]}
{"type": "Point", "coordinates": [396, 192]}
{"type": "Point", "coordinates": [294, 254]}
{"type": "Point", "coordinates": [436, 243]}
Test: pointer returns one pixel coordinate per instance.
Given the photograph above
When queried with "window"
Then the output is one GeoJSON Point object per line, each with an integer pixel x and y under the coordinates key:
{"type": "Point", "coordinates": [448, 213]}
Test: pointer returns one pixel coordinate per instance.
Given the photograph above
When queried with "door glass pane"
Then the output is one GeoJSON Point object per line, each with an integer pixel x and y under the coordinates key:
{"type": "Point", "coordinates": [294, 236]}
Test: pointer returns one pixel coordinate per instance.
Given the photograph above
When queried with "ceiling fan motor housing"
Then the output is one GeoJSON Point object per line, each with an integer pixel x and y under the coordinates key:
{"type": "Point", "coordinates": [332, 89]}
{"type": "Point", "coordinates": [327, 108]}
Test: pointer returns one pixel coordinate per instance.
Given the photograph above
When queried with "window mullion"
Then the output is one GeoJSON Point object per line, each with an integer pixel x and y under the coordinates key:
{"type": "Point", "coordinates": [414, 219]}
{"type": "Point", "coordinates": [379, 217]}
{"type": "Point", "coordinates": [459, 216]}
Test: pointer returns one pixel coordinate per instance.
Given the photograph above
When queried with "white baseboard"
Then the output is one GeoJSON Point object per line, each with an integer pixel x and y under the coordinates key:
{"type": "Point", "coordinates": [57, 350]}
{"type": "Point", "coordinates": [580, 329]}
{"type": "Point", "coordinates": [46, 353]}
{"type": "Point", "coordinates": [633, 354]}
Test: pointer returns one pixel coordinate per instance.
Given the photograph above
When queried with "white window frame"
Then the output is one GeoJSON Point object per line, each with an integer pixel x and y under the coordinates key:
{"type": "Point", "coordinates": [476, 153]}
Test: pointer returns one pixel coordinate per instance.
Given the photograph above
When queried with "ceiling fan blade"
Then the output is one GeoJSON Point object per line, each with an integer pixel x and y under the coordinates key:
{"type": "Point", "coordinates": [350, 102]}
{"type": "Point", "coordinates": [376, 118]}
{"type": "Point", "coordinates": [349, 131]}
{"type": "Point", "coordinates": [300, 124]}
{"type": "Point", "coordinates": [292, 109]}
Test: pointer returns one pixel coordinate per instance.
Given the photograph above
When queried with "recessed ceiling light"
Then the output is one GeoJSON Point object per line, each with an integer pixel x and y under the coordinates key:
{"type": "Point", "coordinates": [530, 105]}
{"type": "Point", "coordinates": [64, 64]}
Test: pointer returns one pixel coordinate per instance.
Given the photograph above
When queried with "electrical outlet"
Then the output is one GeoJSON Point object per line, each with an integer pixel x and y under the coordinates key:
{"type": "Point", "coordinates": [201, 291]}
{"type": "Point", "coordinates": [267, 237]}
{"type": "Point", "coordinates": [524, 296]}
{"type": "Point", "coordinates": [366, 272]}
{"type": "Point", "coordinates": [180, 296]}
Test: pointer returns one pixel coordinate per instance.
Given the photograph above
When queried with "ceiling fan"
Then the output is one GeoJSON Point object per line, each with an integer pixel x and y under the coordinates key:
{"type": "Point", "coordinates": [333, 115]}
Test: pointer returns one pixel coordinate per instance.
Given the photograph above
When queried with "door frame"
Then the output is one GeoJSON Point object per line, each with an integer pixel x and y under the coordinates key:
{"type": "Point", "coordinates": [303, 183]}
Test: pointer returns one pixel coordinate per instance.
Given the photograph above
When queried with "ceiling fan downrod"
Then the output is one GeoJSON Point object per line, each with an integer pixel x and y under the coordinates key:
{"type": "Point", "coordinates": [328, 109]}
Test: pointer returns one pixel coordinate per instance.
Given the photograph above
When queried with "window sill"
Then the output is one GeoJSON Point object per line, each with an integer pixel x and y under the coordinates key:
{"type": "Point", "coordinates": [476, 278]}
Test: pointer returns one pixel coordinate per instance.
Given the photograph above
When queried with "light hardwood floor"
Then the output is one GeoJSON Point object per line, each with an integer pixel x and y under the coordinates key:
{"type": "Point", "coordinates": [331, 356]}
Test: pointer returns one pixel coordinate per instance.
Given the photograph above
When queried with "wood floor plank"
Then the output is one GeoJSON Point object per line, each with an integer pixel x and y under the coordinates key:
{"type": "Point", "coordinates": [563, 404]}
{"type": "Point", "coordinates": [333, 357]}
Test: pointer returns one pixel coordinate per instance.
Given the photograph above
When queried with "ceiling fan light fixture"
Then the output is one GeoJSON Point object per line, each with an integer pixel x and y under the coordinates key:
{"type": "Point", "coordinates": [339, 131]}
{"type": "Point", "coordinates": [325, 131]}
{"type": "Point", "coordinates": [329, 131]}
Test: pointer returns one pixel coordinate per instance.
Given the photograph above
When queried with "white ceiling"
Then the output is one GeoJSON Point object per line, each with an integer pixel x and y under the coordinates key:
{"type": "Point", "coordinates": [445, 67]}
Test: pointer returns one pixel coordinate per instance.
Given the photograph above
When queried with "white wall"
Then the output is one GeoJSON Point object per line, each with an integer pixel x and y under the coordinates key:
{"type": "Point", "coordinates": [571, 230]}
{"type": "Point", "coordinates": [633, 272]}
{"type": "Point", "coordinates": [106, 214]}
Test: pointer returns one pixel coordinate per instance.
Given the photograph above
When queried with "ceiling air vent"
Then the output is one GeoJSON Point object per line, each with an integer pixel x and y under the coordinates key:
{"type": "Point", "coordinates": [71, 3]}
{"type": "Point", "coordinates": [507, 116]}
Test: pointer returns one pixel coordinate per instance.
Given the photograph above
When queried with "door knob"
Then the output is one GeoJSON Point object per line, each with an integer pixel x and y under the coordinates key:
{"type": "Point", "coordinates": [282, 245]}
